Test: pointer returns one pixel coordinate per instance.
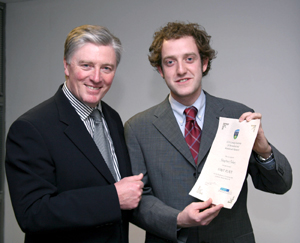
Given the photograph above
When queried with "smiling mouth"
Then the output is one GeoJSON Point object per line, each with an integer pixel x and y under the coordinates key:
{"type": "Point", "coordinates": [93, 88]}
{"type": "Point", "coordinates": [182, 80]}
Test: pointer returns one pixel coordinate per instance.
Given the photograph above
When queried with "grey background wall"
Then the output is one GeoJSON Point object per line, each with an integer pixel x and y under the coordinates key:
{"type": "Point", "coordinates": [257, 64]}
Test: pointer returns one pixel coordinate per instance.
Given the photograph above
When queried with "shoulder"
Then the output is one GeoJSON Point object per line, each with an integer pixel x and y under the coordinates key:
{"type": "Point", "coordinates": [109, 111]}
{"type": "Point", "coordinates": [150, 113]}
{"type": "Point", "coordinates": [112, 116]}
{"type": "Point", "coordinates": [40, 111]}
{"type": "Point", "coordinates": [32, 124]}
{"type": "Point", "coordinates": [43, 113]}
{"type": "Point", "coordinates": [228, 107]}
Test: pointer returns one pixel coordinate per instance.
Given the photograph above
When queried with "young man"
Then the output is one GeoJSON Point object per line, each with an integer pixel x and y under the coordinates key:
{"type": "Point", "coordinates": [171, 165]}
{"type": "Point", "coordinates": [64, 186]}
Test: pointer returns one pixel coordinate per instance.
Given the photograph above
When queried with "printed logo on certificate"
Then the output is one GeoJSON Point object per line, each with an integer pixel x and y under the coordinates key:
{"type": "Point", "coordinates": [224, 172]}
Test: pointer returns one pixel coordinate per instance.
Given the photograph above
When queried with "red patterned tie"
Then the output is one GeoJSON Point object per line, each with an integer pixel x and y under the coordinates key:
{"type": "Point", "coordinates": [192, 131]}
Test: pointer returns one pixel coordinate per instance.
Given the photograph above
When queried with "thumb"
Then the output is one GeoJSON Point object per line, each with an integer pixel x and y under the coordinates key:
{"type": "Point", "coordinates": [205, 204]}
{"type": "Point", "coordinates": [140, 176]}
{"type": "Point", "coordinates": [137, 177]}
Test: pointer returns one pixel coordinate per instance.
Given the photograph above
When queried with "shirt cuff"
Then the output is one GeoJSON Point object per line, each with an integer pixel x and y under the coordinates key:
{"type": "Point", "coordinates": [268, 164]}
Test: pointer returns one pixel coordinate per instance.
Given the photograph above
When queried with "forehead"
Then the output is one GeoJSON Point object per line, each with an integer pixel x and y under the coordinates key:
{"type": "Point", "coordinates": [181, 46]}
{"type": "Point", "coordinates": [97, 53]}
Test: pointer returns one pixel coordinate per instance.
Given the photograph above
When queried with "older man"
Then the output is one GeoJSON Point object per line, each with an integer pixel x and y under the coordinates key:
{"type": "Point", "coordinates": [67, 163]}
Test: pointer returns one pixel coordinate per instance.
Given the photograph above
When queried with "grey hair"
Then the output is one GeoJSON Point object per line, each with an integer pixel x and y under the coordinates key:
{"type": "Point", "coordinates": [95, 34]}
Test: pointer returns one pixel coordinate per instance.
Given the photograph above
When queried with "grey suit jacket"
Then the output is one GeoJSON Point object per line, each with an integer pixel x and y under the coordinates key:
{"type": "Point", "coordinates": [159, 151]}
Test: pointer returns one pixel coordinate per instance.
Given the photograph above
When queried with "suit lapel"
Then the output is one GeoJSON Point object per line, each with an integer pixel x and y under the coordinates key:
{"type": "Point", "coordinates": [78, 134]}
{"type": "Point", "coordinates": [213, 110]}
{"type": "Point", "coordinates": [165, 122]}
{"type": "Point", "coordinates": [117, 140]}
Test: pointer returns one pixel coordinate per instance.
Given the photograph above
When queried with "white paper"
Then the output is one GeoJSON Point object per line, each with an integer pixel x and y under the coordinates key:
{"type": "Point", "coordinates": [224, 172]}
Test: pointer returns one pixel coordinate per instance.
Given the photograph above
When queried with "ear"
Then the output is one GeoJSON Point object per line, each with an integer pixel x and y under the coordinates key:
{"type": "Point", "coordinates": [161, 72]}
{"type": "Point", "coordinates": [66, 70]}
{"type": "Point", "coordinates": [204, 65]}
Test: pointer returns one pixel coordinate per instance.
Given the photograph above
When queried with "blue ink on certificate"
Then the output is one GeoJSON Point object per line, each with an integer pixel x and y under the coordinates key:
{"type": "Point", "coordinates": [224, 189]}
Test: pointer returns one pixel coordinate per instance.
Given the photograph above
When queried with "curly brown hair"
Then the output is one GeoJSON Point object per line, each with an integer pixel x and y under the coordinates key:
{"type": "Point", "coordinates": [176, 30]}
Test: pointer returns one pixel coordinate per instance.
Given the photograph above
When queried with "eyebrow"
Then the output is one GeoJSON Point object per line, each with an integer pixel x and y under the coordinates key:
{"type": "Point", "coordinates": [104, 64]}
{"type": "Point", "coordinates": [186, 54]}
{"type": "Point", "coordinates": [83, 61]}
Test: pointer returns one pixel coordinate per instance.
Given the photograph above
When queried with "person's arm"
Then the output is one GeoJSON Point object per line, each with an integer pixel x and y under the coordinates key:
{"type": "Point", "coordinates": [276, 174]}
{"type": "Point", "coordinates": [261, 145]}
{"type": "Point", "coordinates": [39, 204]}
{"type": "Point", "coordinates": [198, 214]}
{"type": "Point", "coordinates": [129, 191]}
{"type": "Point", "coordinates": [155, 216]}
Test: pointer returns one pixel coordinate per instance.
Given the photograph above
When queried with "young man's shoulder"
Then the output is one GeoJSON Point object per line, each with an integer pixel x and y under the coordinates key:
{"type": "Point", "coordinates": [153, 111]}
{"type": "Point", "coordinates": [226, 105]}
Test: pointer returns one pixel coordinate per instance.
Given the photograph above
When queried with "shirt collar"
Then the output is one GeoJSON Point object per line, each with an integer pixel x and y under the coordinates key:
{"type": "Point", "coordinates": [179, 108]}
{"type": "Point", "coordinates": [82, 109]}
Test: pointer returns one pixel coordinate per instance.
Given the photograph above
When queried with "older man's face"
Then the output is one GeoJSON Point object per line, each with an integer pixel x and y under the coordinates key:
{"type": "Point", "coordinates": [91, 72]}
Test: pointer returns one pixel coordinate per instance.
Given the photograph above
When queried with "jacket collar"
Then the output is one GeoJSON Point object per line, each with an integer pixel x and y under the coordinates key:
{"type": "Point", "coordinates": [164, 121]}
{"type": "Point", "coordinates": [76, 131]}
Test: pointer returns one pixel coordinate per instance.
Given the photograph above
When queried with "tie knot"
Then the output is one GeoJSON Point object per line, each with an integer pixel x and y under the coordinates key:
{"type": "Point", "coordinates": [191, 113]}
{"type": "Point", "coordinates": [96, 115]}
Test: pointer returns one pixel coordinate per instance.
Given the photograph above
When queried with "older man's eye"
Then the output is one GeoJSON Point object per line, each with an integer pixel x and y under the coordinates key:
{"type": "Point", "coordinates": [85, 65]}
{"type": "Point", "coordinates": [107, 69]}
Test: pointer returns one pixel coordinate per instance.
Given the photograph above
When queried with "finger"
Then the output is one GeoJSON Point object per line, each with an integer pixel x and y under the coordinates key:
{"type": "Point", "coordinates": [254, 116]}
{"type": "Point", "coordinates": [219, 205]}
{"type": "Point", "coordinates": [212, 212]}
{"type": "Point", "coordinates": [244, 116]}
{"type": "Point", "coordinates": [209, 201]}
{"type": "Point", "coordinates": [135, 177]}
{"type": "Point", "coordinates": [248, 116]}
{"type": "Point", "coordinates": [214, 208]}
{"type": "Point", "coordinates": [138, 177]}
{"type": "Point", "coordinates": [140, 184]}
{"type": "Point", "coordinates": [203, 205]}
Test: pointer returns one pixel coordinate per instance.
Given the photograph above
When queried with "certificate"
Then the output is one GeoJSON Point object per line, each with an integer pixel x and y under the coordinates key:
{"type": "Point", "coordinates": [224, 172]}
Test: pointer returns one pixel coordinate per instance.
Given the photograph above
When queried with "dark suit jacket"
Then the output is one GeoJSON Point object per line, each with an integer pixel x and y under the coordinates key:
{"type": "Point", "coordinates": [158, 149]}
{"type": "Point", "coordinates": [61, 188]}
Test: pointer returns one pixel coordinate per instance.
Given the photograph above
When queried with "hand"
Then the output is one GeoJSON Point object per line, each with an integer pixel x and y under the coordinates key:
{"type": "Point", "coordinates": [130, 191]}
{"type": "Point", "coordinates": [261, 145]}
{"type": "Point", "coordinates": [193, 215]}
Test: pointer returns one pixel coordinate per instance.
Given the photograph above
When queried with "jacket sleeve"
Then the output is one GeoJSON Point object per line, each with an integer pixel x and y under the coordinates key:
{"type": "Point", "coordinates": [277, 180]}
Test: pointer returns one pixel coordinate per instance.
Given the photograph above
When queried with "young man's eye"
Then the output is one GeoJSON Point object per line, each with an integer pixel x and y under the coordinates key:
{"type": "Point", "coordinates": [169, 62]}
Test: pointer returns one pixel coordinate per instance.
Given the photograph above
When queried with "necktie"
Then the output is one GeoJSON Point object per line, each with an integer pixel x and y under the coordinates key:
{"type": "Point", "coordinates": [102, 142]}
{"type": "Point", "coordinates": [192, 131]}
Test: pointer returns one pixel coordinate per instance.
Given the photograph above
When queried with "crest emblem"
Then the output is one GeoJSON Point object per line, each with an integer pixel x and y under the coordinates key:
{"type": "Point", "coordinates": [236, 133]}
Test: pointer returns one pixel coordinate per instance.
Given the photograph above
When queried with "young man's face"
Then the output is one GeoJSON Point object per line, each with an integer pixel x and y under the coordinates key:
{"type": "Point", "coordinates": [91, 72]}
{"type": "Point", "coordinates": [182, 69]}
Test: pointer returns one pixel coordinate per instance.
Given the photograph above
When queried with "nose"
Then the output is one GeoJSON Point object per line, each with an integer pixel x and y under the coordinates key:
{"type": "Point", "coordinates": [96, 75]}
{"type": "Point", "coordinates": [181, 68]}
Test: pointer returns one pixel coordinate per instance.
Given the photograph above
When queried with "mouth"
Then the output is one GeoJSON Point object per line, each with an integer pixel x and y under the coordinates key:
{"type": "Point", "coordinates": [182, 80]}
{"type": "Point", "coordinates": [92, 88]}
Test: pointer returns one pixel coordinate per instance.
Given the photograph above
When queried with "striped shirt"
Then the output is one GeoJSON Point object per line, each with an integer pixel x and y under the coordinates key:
{"type": "Point", "coordinates": [84, 112]}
